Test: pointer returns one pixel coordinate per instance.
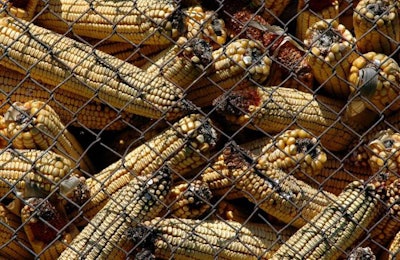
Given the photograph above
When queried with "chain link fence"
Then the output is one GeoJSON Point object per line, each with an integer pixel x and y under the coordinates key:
{"type": "Point", "coordinates": [165, 129]}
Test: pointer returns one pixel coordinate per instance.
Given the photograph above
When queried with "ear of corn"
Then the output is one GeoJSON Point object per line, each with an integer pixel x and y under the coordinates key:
{"type": "Point", "coordinates": [374, 79]}
{"type": "Point", "coordinates": [211, 239]}
{"type": "Point", "coordinates": [384, 153]}
{"type": "Point", "coordinates": [32, 172]}
{"type": "Point", "coordinates": [313, 11]}
{"type": "Point", "coordinates": [336, 228]}
{"type": "Point", "coordinates": [86, 72]}
{"type": "Point", "coordinates": [376, 26]}
{"type": "Point", "coordinates": [47, 227]}
{"type": "Point", "coordinates": [277, 193]}
{"type": "Point", "coordinates": [106, 234]}
{"type": "Point", "coordinates": [35, 125]}
{"type": "Point", "coordinates": [273, 109]}
{"type": "Point", "coordinates": [331, 55]}
{"type": "Point", "coordinates": [14, 243]}
{"type": "Point", "coordinates": [183, 147]}
{"type": "Point", "coordinates": [143, 21]}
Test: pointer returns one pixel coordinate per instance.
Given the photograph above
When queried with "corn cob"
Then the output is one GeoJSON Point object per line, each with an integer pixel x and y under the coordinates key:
{"type": "Point", "coordinates": [294, 151]}
{"type": "Point", "coordinates": [291, 69]}
{"type": "Point", "coordinates": [140, 22]}
{"type": "Point", "coordinates": [72, 109]}
{"type": "Point", "coordinates": [336, 228]}
{"type": "Point", "coordinates": [204, 25]}
{"type": "Point", "coordinates": [35, 125]}
{"type": "Point", "coordinates": [189, 199]}
{"type": "Point", "coordinates": [183, 147]}
{"type": "Point", "coordinates": [59, 61]}
{"type": "Point", "coordinates": [13, 243]}
{"type": "Point", "coordinates": [181, 63]}
{"type": "Point", "coordinates": [394, 247]}
{"type": "Point", "coordinates": [374, 80]}
{"type": "Point", "coordinates": [274, 109]}
{"type": "Point", "coordinates": [270, 9]}
{"type": "Point", "coordinates": [313, 11]}
{"type": "Point", "coordinates": [47, 228]}
{"type": "Point", "coordinates": [385, 230]}
{"type": "Point", "coordinates": [331, 55]}
{"type": "Point", "coordinates": [173, 238]}
{"type": "Point", "coordinates": [384, 153]}
{"type": "Point", "coordinates": [376, 26]}
{"type": "Point", "coordinates": [106, 234]}
{"type": "Point", "coordinates": [236, 62]}
{"type": "Point", "coordinates": [33, 171]}
{"type": "Point", "coordinates": [272, 190]}
{"type": "Point", "coordinates": [20, 9]}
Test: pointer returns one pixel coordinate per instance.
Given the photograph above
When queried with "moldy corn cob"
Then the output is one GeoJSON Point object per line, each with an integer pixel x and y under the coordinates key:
{"type": "Point", "coordinates": [331, 55]}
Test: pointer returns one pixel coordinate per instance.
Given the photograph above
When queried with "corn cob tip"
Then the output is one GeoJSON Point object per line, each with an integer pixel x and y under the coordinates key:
{"type": "Point", "coordinates": [362, 253]}
{"type": "Point", "coordinates": [143, 236]}
{"type": "Point", "coordinates": [200, 52]}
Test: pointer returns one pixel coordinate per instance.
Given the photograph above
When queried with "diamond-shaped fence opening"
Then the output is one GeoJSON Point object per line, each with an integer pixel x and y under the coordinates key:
{"type": "Point", "coordinates": [165, 129]}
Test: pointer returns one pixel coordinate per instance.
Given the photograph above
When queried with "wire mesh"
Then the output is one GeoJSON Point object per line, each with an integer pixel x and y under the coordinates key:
{"type": "Point", "coordinates": [165, 129]}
